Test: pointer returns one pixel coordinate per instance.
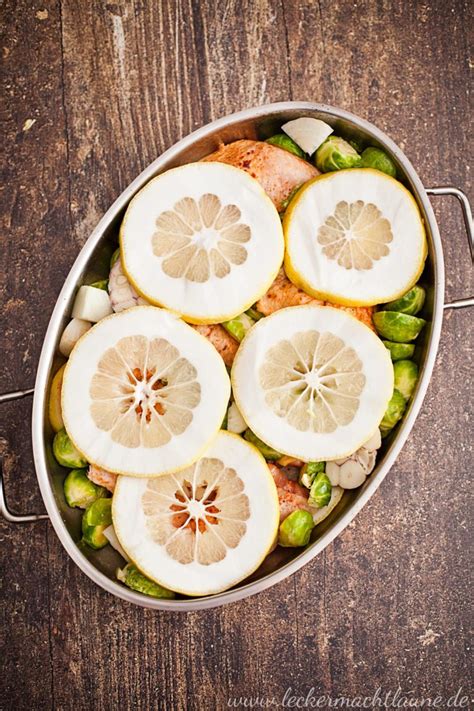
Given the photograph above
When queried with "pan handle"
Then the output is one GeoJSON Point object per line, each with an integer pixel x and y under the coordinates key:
{"type": "Point", "coordinates": [469, 225]}
{"type": "Point", "coordinates": [4, 510]}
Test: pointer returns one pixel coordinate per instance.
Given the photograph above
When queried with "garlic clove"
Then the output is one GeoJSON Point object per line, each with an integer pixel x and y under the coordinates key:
{"type": "Point", "coordinates": [351, 475]}
{"type": "Point", "coordinates": [332, 472]}
{"type": "Point", "coordinates": [374, 442]}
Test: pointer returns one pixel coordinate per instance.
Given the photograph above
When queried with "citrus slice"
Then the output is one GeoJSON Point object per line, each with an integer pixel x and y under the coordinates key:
{"type": "Point", "coordinates": [203, 529]}
{"type": "Point", "coordinates": [203, 240]}
{"type": "Point", "coordinates": [312, 381]}
{"type": "Point", "coordinates": [143, 393]}
{"type": "Point", "coordinates": [354, 237]}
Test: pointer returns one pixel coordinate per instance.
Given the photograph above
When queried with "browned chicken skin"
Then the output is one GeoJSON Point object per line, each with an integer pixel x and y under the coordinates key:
{"type": "Point", "coordinates": [225, 345]}
{"type": "Point", "coordinates": [278, 171]}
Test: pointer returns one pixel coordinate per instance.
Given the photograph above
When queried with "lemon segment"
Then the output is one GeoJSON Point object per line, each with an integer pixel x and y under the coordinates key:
{"type": "Point", "coordinates": [143, 393]}
{"type": "Point", "coordinates": [203, 240]}
{"type": "Point", "coordinates": [312, 381]}
{"type": "Point", "coordinates": [203, 529]}
{"type": "Point", "coordinates": [354, 237]}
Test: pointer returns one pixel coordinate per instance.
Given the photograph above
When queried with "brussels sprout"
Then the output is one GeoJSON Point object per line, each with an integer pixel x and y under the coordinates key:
{"type": "Point", "coordinates": [309, 471]}
{"type": "Point", "coordinates": [296, 529]}
{"type": "Point", "coordinates": [97, 517]}
{"type": "Point", "coordinates": [290, 197]}
{"type": "Point", "coordinates": [80, 491]}
{"type": "Point", "coordinates": [335, 154]}
{"type": "Point", "coordinates": [357, 144]}
{"type": "Point", "coordinates": [239, 326]}
{"type": "Point", "coordinates": [264, 449]}
{"type": "Point", "coordinates": [133, 579]}
{"type": "Point", "coordinates": [65, 452]}
{"type": "Point", "coordinates": [320, 492]}
{"type": "Point", "coordinates": [114, 257]}
{"type": "Point", "coordinates": [397, 327]}
{"type": "Point", "coordinates": [254, 313]}
{"type": "Point", "coordinates": [376, 158]}
{"type": "Point", "coordinates": [101, 284]}
{"type": "Point", "coordinates": [410, 303]}
{"type": "Point", "coordinates": [399, 350]}
{"type": "Point", "coordinates": [393, 413]}
{"type": "Point", "coordinates": [406, 375]}
{"type": "Point", "coordinates": [283, 141]}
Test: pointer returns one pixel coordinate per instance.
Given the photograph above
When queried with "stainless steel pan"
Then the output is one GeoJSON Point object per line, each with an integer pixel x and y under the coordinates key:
{"type": "Point", "coordinates": [92, 263]}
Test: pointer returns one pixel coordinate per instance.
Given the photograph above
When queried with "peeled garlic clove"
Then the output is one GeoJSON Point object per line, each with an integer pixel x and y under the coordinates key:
{"type": "Point", "coordinates": [374, 442]}
{"type": "Point", "coordinates": [332, 472]}
{"type": "Point", "coordinates": [351, 475]}
{"type": "Point", "coordinates": [371, 462]}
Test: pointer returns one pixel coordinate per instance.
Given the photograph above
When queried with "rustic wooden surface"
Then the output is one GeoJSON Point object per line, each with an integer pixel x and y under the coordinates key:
{"type": "Point", "coordinates": [93, 92]}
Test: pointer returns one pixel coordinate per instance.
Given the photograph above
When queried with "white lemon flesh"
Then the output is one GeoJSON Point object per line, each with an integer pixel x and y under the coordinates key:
{"type": "Point", "coordinates": [203, 529]}
{"type": "Point", "coordinates": [312, 382]}
{"type": "Point", "coordinates": [203, 240]}
{"type": "Point", "coordinates": [143, 393]}
{"type": "Point", "coordinates": [354, 237]}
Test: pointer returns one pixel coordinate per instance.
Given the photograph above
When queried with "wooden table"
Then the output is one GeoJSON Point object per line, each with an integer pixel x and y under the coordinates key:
{"type": "Point", "coordinates": [94, 92]}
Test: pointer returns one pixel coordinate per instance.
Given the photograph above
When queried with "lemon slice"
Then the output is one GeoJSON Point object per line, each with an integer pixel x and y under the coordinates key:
{"type": "Point", "coordinates": [203, 529]}
{"type": "Point", "coordinates": [143, 393]}
{"type": "Point", "coordinates": [203, 240]}
{"type": "Point", "coordinates": [354, 237]}
{"type": "Point", "coordinates": [312, 381]}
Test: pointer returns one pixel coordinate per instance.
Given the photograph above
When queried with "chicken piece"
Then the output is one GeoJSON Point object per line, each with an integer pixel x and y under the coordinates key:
{"type": "Point", "coordinates": [291, 495]}
{"type": "Point", "coordinates": [102, 478]}
{"type": "Point", "coordinates": [284, 293]}
{"type": "Point", "coordinates": [278, 171]}
{"type": "Point", "coordinates": [222, 341]}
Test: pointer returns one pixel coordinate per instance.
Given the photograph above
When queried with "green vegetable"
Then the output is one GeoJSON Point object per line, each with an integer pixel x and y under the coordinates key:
{"type": "Point", "coordinates": [393, 413]}
{"type": "Point", "coordinates": [283, 141]}
{"type": "Point", "coordinates": [397, 327]}
{"type": "Point", "coordinates": [410, 303]}
{"type": "Point", "coordinates": [309, 471]}
{"type": "Point", "coordinates": [290, 197]}
{"type": "Point", "coordinates": [296, 529]}
{"type": "Point", "coordinates": [399, 350]}
{"type": "Point", "coordinates": [335, 154]}
{"type": "Point", "coordinates": [267, 451]}
{"type": "Point", "coordinates": [406, 375]}
{"type": "Point", "coordinates": [254, 313]}
{"type": "Point", "coordinates": [114, 257]}
{"type": "Point", "coordinates": [66, 453]}
{"type": "Point", "coordinates": [133, 579]}
{"type": "Point", "coordinates": [376, 158]}
{"type": "Point", "coordinates": [357, 144]}
{"type": "Point", "coordinates": [80, 491]}
{"type": "Point", "coordinates": [224, 422]}
{"type": "Point", "coordinates": [95, 520]}
{"type": "Point", "coordinates": [239, 326]}
{"type": "Point", "coordinates": [101, 284]}
{"type": "Point", "coordinates": [320, 492]}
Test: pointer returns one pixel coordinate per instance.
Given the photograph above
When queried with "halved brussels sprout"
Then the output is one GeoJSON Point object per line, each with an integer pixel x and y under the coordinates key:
{"type": "Point", "coordinates": [290, 197]}
{"type": "Point", "coordinates": [296, 529]}
{"type": "Point", "coordinates": [406, 375]}
{"type": "Point", "coordinates": [97, 517]}
{"type": "Point", "coordinates": [377, 158]}
{"type": "Point", "coordinates": [254, 313]}
{"type": "Point", "coordinates": [393, 413]}
{"type": "Point", "coordinates": [397, 327]}
{"type": "Point", "coordinates": [133, 579]}
{"type": "Point", "coordinates": [239, 326]}
{"type": "Point", "coordinates": [80, 491]}
{"type": "Point", "coordinates": [410, 303]}
{"type": "Point", "coordinates": [398, 351]}
{"type": "Point", "coordinates": [308, 473]}
{"type": "Point", "coordinates": [114, 257]}
{"type": "Point", "coordinates": [65, 452]}
{"type": "Point", "coordinates": [283, 141]}
{"type": "Point", "coordinates": [101, 284]}
{"type": "Point", "coordinates": [335, 154]}
{"type": "Point", "coordinates": [268, 452]}
{"type": "Point", "coordinates": [320, 492]}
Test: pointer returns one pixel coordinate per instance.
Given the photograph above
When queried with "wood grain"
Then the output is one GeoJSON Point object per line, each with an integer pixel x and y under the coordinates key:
{"type": "Point", "coordinates": [110, 85]}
